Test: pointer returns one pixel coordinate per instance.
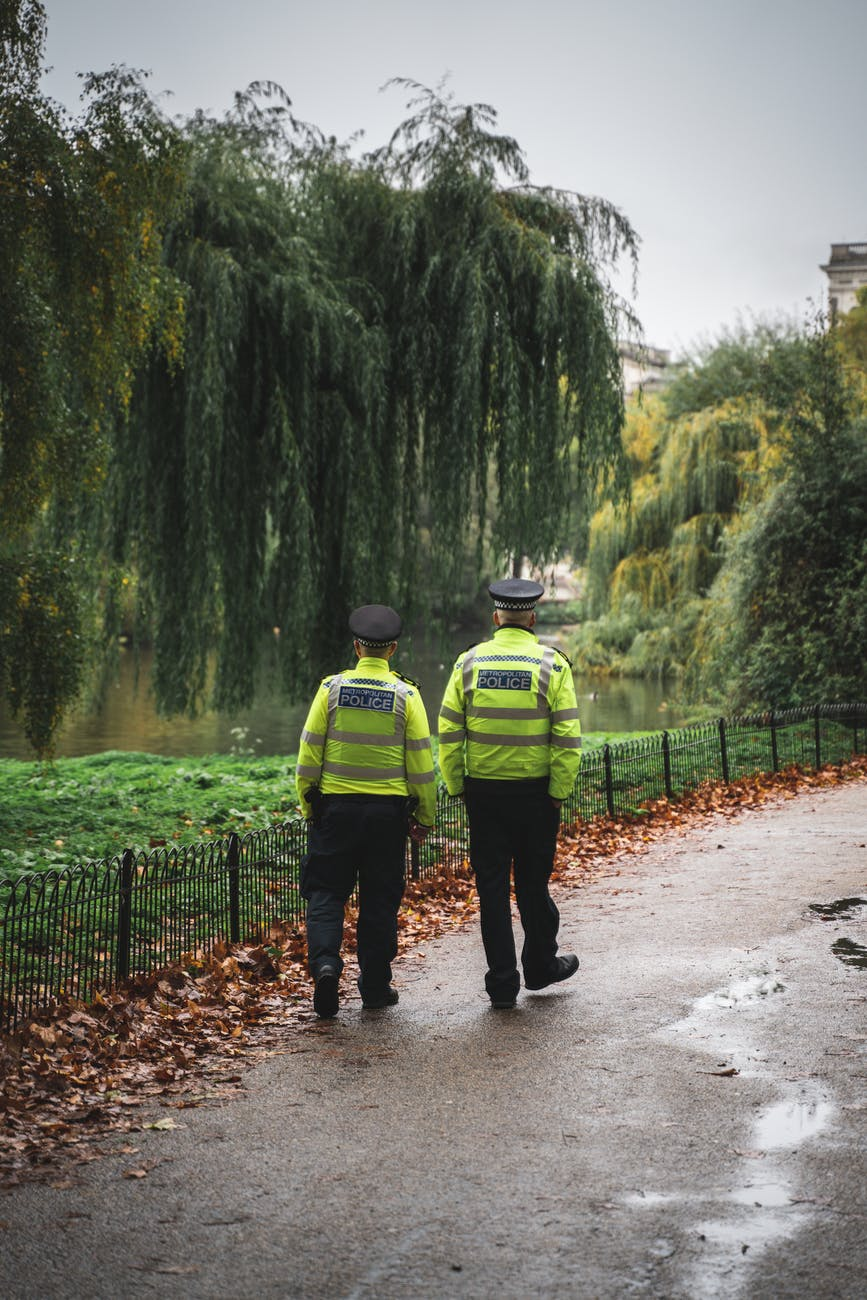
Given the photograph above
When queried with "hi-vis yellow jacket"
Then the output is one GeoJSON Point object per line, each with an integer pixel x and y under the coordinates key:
{"type": "Point", "coordinates": [367, 733]}
{"type": "Point", "coordinates": [509, 714]}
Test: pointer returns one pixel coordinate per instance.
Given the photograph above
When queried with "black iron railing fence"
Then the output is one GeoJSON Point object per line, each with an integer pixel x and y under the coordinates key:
{"type": "Point", "coordinates": [83, 928]}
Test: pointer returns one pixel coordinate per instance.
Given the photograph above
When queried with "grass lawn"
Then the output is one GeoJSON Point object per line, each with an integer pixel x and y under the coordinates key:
{"type": "Point", "coordinates": [81, 808]}
{"type": "Point", "coordinates": [77, 809]}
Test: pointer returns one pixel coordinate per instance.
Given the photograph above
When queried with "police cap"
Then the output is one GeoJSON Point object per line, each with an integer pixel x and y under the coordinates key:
{"type": "Point", "coordinates": [375, 625]}
{"type": "Point", "coordinates": [515, 593]}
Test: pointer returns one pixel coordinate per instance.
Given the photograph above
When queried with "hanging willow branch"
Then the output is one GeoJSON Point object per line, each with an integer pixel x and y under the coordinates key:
{"type": "Point", "coordinates": [390, 364]}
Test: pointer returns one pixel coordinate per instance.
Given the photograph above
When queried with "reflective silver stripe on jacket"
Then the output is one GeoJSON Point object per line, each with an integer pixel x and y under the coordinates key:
{"type": "Point", "coordinates": [355, 772]}
{"type": "Point", "coordinates": [495, 738]}
{"type": "Point", "coordinates": [333, 695]}
{"type": "Point", "coordinates": [420, 778]}
{"type": "Point", "coordinates": [423, 742]}
{"type": "Point", "coordinates": [564, 715]}
{"type": "Point", "coordinates": [451, 715]}
{"type": "Point", "coordinates": [545, 667]}
{"type": "Point", "coordinates": [309, 772]}
{"type": "Point", "coordinates": [452, 737]}
{"type": "Point", "coordinates": [313, 737]}
{"type": "Point", "coordinates": [566, 742]}
{"type": "Point", "coordinates": [481, 711]}
{"type": "Point", "coordinates": [467, 674]}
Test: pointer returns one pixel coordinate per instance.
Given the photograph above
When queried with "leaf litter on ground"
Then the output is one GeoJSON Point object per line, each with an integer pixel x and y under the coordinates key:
{"type": "Point", "coordinates": [184, 1036]}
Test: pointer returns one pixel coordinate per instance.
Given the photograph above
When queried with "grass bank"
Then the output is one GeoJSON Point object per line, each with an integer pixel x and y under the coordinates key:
{"type": "Point", "coordinates": [93, 807]}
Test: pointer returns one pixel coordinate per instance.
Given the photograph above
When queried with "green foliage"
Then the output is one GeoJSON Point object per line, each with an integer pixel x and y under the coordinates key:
{"type": "Point", "coordinates": [725, 370]}
{"type": "Point", "coordinates": [363, 375]}
{"type": "Point", "coordinates": [689, 475]}
{"type": "Point", "coordinates": [787, 618]}
{"type": "Point", "coordinates": [851, 332]}
{"type": "Point", "coordinates": [41, 646]}
{"type": "Point", "coordinates": [85, 292]}
{"type": "Point", "coordinates": [78, 809]}
{"type": "Point", "coordinates": [554, 613]}
{"type": "Point", "coordinates": [389, 365]}
{"type": "Point", "coordinates": [633, 641]}
{"type": "Point", "coordinates": [739, 559]}
{"type": "Point", "coordinates": [651, 561]}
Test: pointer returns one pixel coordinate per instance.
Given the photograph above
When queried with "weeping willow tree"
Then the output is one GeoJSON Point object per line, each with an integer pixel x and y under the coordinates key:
{"type": "Point", "coordinates": [700, 454]}
{"type": "Point", "coordinates": [85, 292]}
{"type": "Point", "coordinates": [391, 365]}
{"type": "Point", "coordinates": [742, 558]}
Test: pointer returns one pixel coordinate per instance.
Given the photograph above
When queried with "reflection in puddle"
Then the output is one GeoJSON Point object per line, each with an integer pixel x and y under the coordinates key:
{"type": "Point", "coordinates": [852, 953]}
{"type": "Point", "coordinates": [791, 1122]}
{"type": "Point", "coordinates": [840, 910]}
{"type": "Point", "coordinates": [650, 1198]}
{"type": "Point", "coordinates": [844, 909]}
{"type": "Point", "coordinates": [747, 1217]}
{"type": "Point", "coordinates": [755, 1231]}
{"type": "Point", "coordinates": [760, 1215]}
{"type": "Point", "coordinates": [763, 1194]}
{"type": "Point", "coordinates": [744, 992]}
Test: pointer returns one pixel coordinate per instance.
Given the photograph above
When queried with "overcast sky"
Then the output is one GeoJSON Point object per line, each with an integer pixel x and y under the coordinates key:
{"type": "Point", "coordinates": [730, 132]}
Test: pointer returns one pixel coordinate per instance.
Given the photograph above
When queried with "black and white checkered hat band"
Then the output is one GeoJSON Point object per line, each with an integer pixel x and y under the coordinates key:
{"type": "Point", "coordinates": [499, 603]}
{"type": "Point", "coordinates": [375, 645]}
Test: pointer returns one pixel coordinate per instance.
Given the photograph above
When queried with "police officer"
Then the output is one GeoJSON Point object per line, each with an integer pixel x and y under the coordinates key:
{"type": "Point", "coordinates": [510, 744]}
{"type": "Point", "coordinates": [365, 778]}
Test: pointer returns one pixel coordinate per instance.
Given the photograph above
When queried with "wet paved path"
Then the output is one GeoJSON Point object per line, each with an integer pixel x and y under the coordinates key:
{"type": "Point", "coordinates": [583, 1145]}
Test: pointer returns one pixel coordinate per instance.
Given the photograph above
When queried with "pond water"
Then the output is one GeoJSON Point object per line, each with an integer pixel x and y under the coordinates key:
{"type": "Point", "coordinates": [128, 720]}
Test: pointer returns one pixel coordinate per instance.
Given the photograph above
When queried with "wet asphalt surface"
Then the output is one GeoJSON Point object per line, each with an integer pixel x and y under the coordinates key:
{"type": "Point", "coordinates": [586, 1144]}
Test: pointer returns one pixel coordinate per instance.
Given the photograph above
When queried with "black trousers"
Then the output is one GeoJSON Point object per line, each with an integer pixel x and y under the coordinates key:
{"type": "Point", "coordinates": [357, 838]}
{"type": "Point", "coordinates": [514, 822]}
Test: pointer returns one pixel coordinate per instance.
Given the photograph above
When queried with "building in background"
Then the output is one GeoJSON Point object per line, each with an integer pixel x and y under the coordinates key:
{"type": "Point", "coordinates": [644, 368]}
{"type": "Point", "coordinates": [846, 270]}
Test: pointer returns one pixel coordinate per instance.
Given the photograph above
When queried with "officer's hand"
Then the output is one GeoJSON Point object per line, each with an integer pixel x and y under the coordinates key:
{"type": "Point", "coordinates": [557, 803]}
{"type": "Point", "coordinates": [418, 831]}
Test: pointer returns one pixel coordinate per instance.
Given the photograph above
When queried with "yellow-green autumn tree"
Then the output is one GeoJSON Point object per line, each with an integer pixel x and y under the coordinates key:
{"type": "Point", "coordinates": [741, 560]}
{"type": "Point", "coordinates": [698, 453]}
{"type": "Point", "coordinates": [785, 622]}
{"type": "Point", "coordinates": [851, 333]}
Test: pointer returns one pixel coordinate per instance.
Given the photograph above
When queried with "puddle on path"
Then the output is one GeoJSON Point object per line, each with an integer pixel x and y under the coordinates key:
{"type": "Point", "coordinates": [753, 1229]}
{"type": "Point", "coordinates": [758, 1215]}
{"type": "Point", "coordinates": [726, 1021]}
{"type": "Point", "coordinates": [743, 1220]}
{"type": "Point", "coordinates": [650, 1199]}
{"type": "Point", "coordinates": [790, 1123]}
{"type": "Point", "coordinates": [842, 909]}
{"type": "Point", "coordinates": [760, 1195]}
{"type": "Point", "coordinates": [850, 952]}
{"type": "Point", "coordinates": [742, 993]}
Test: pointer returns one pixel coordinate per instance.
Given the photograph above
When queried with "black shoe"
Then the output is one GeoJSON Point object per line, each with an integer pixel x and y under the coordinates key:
{"type": "Point", "coordinates": [563, 968]}
{"type": "Point", "coordinates": [376, 1001]}
{"type": "Point", "coordinates": [326, 998]}
{"type": "Point", "coordinates": [503, 1004]}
